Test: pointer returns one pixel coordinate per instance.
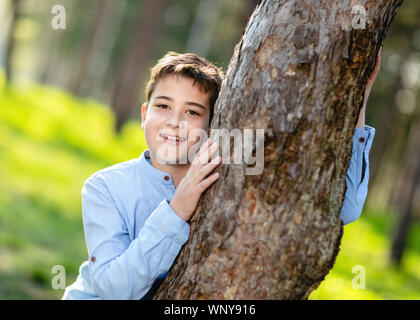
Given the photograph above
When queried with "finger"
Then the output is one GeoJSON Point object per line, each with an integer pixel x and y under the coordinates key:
{"type": "Point", "coordinates": [375, 70]}
{"type": "Point", "coordinates": [201, 151]}
{"type": "Point", "coordinates": [214, 151]}
{"type": "Point", "coordinates": [207, 182]}
{"type": "Point", "coordinates": [202, 172]}
{"type": "Point", "coordinates": [378, 58]}
{"type": "Point", "coordinates": [378, 62]}
{"type": "Point", "coordinates": [208, 168]}
{"type": "Point", "coordinates": [208, 153]}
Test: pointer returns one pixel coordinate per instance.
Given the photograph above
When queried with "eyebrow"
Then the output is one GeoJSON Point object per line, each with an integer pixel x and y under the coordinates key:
{"type": "Point", "coordinates": [190, 103]}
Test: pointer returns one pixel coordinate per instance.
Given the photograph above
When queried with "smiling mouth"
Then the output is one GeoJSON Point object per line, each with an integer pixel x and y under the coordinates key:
{"type": "Point", "coordinates": [171, 138]}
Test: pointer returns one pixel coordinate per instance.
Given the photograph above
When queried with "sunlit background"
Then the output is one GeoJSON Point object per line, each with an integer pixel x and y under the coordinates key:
{"type": "Point", "coordinates": [69, 106]}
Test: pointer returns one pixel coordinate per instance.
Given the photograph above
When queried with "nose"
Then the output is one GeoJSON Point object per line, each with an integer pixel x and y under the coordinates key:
{"type": "Point", "coordinates": [174, 120]}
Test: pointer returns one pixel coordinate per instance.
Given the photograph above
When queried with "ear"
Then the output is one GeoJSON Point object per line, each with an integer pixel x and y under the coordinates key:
{"type": "Point", "coordinates": [143, 114]}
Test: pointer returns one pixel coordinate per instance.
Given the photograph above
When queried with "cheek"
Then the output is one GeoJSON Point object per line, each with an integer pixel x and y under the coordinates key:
{"type": "Point", "coordinates": [202, 122]}
{"type": "Point", "coordinates": [150, 129]}
{"type": "Point", "coordinates": [197, 131]}
{"type": "Point", "coordinates": [153, 120]}
{"type": "Point", "coordinates": [205, 124]}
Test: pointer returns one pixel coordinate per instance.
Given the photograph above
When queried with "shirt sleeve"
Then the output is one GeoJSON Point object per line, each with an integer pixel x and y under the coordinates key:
{"type": "Point", "coordinates": [357, 177]}
{"type": "Point", "coordinates": [120, 269]}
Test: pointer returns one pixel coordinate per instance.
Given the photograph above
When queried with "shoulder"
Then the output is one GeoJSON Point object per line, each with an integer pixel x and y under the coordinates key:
{"type": "Point", "coordinates": [112, 185]}
{"type": "Point", "coordinates": [118, 168]}
{"type": "Point", "coordinates": [116, 174]}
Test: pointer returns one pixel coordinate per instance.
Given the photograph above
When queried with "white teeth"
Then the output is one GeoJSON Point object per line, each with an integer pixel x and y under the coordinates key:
{"type": "Point", "coordinates": [171, 138]}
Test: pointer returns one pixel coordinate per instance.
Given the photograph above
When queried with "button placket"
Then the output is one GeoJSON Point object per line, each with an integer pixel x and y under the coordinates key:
{"type": "Point", "coordinates": [166, 179]}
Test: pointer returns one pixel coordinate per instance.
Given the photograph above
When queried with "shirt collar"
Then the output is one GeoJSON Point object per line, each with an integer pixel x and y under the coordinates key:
{"type": "Point", "coordinates": [153, 172]}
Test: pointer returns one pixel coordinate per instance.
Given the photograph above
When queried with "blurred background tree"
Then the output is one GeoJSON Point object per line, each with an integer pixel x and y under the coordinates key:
{"type": "Point", "coordinates": [108, 47]}
{"type": "Point", "coordinates": [70, 105]}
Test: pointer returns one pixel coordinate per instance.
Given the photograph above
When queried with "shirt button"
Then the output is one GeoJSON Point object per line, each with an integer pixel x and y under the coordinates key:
{"type": "Point", "coordinates": [362, 139]}
{"type": "Point", "coordinates": [166, 178]}
{"type": "Point", "coordinates": [93, 259]}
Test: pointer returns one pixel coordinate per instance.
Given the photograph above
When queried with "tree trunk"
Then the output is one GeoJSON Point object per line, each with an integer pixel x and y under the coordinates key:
{"type": "Point", "coordinates": [205, 21]}
{"type": "Point", "coordinates": [127, 86]}
{"type": "Point", "coordinates": [11, 39]}
{"type": "Point", "coordinates": [89, 73]}
{"type": "Point", "coordinates": [106, 41]}
{"type": "Point", "coordinates": [80, 71]}
{"type": "Point", "coordinates": [391, 125]}
{"type": "Point", "coordinates": [298, 72]}
{"type": "Point", "coordinates": [406, 192]}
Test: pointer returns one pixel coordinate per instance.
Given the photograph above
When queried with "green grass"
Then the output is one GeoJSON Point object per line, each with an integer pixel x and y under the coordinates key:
{"type": "Point", "coordinates": [366, 243]}
{"type": "Point", "coordinates": [50, 143]}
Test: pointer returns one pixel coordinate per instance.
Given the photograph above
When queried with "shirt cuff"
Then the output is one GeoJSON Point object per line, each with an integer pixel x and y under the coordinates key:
{"type": "Point", "coordinates": [169, 223]}
{"type": "Point", "coordinates": [363, 138]}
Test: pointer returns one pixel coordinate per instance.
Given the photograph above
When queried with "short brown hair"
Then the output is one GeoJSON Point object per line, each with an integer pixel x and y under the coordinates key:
{"type": "Point", "coordinates": [206, 74]}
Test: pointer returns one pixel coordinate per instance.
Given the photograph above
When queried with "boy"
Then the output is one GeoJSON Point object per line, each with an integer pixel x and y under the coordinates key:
{"type": "Point", "coordinates": [136, 213]}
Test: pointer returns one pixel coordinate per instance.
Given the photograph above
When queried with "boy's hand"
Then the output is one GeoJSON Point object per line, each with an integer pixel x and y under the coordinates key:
{"type": "Point", "coordinates": [194, 183]}
{"type": "Point", "coordinates": [369, 85]}
{"type": "Point", "coordinates": [372, 76]}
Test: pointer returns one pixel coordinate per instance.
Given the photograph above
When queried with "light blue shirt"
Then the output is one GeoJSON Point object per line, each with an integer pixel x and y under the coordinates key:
{"type": "Point", "coordinates": [357, 177]}
{"type": "Point", "coordinates": [133, 236]}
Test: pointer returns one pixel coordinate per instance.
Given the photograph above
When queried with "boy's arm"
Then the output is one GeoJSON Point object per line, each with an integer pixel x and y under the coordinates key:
{"type": "Point", "coordinates": [357, 177]}
{"type": "Point", "coordinates": [120, 269]}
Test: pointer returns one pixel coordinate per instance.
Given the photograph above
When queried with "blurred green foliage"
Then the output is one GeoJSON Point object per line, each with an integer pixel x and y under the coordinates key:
{"type": "Point", "coordinates": [50, 143]}
{"type": "Point", "coordinates": [366, 243]}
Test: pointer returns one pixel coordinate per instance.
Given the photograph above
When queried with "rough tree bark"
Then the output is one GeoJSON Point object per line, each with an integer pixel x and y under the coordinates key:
{"type": "Point", "coordinates": [298, 72]}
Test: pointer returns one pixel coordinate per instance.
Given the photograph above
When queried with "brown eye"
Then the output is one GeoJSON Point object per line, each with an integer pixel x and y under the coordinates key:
{"type": "Point", "coordinates": [192, 112]}
{"type": "Point", "coordinates": [162, 106]}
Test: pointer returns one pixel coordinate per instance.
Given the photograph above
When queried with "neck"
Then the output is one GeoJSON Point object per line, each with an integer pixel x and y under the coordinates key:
{"type": "Point", "coordinates": [177, 171]}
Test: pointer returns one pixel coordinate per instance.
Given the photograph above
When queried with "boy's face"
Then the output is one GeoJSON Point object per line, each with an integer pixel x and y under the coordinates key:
{"type": "Point", "coordinates": [176, 109]}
